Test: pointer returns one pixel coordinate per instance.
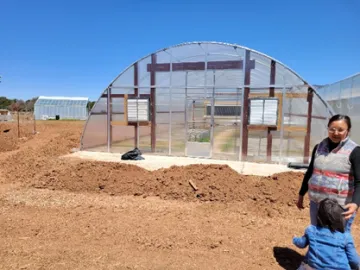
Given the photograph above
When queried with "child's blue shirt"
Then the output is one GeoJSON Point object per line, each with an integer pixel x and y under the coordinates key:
{"type": "Point", "coordinates": [328, 250]}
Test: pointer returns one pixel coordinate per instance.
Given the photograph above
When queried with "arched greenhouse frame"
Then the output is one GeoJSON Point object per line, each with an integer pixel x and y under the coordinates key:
{"type": "Point", "coordinates": [209, 100]}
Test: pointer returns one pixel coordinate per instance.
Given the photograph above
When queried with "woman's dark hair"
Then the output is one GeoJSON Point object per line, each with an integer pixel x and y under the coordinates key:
{"type": "Point", "coordinates": [330, 215]}
{"type": "Point", "coordinates": [338, 117]}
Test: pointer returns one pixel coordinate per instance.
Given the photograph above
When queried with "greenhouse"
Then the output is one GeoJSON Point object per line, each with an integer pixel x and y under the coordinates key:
{"type": "Point", "coordinates": [209, 100]}
{"type": "Point", "coordinates": [74, 108]}
{"type": "Point", "coordinates": [344, 98]}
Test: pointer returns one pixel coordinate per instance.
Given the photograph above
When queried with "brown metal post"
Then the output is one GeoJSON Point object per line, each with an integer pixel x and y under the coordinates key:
{"type": "Point", "coordinates": [308, 127]}
{"type": "Point", "coordinates": [34, 122]}
{"type": "Point", "coordinates": [271, 94]}
{"type": "Point", "coordinates": [193, 114]}
{"type": "Point", "coordinates": [153, 103]}
{"type": "Point", "coordinates": [18, 122]}
{"type": "Point", "coordinates": [136, 93]}
{"type": "Point", "coordinates": [245, 118]}
{"type": "Point", "coordinates": [110, 115]}
{"type": "Point", "coordinates": [272, 78]}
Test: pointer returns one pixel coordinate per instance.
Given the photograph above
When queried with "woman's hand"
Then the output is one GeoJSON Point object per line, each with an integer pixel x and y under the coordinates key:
{"type": "Point", "coordinates": [300, 202]}
{"type": "Point", "coordinates": [351, 209]}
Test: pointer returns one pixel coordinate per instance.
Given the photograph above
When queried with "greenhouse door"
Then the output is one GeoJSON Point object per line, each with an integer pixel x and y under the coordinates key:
{"type": "Point", "coordinates": [199, 131]}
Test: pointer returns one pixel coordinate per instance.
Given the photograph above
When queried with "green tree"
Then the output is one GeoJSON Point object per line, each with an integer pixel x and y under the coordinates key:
{"type": "Point", "coordinates": [17, 104]}
{"type": "Point", "coordinates": [90, 105]}
{"type": "Point", "coordinates": [5, 102]}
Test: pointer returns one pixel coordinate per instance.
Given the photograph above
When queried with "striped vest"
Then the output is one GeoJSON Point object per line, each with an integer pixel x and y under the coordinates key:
{"type": "Point", "coordinates": [332, 176]}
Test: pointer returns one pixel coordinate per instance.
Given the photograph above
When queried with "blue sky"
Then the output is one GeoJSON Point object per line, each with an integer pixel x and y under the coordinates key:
{"type": "Point", "coordinates": [76, 48]}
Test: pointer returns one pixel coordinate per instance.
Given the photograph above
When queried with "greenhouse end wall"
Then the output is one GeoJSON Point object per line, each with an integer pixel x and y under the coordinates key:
{"type": "Point", "coordinates": [74, 108]}
{"type": "Point", "coordinates": [344, 98]}
{"type": "Point", "coordinates": [209, 100]}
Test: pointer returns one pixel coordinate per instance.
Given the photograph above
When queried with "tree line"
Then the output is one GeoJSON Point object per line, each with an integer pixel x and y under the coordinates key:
{"type": "Point", "coordinates": [25, 105]}
{"type": "Point", "coordinates": [17, 104]}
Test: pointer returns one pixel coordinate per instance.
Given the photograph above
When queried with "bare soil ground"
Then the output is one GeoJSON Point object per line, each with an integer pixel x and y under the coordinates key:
{"type": "Point", "coordinates": [58, 213]}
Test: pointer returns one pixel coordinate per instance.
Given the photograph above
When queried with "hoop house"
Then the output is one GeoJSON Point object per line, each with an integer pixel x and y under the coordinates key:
{"type": "Point", "coordinates": [210, 100]}
{"type": "Point", "coordinates": [64, 107]}
{"type": "Point", "coordinates": [344, 97]}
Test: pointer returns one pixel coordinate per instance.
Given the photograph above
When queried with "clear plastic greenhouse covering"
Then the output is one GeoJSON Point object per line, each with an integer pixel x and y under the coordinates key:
{"type": "Point", "coordinates": [64, 107]}
{"type": "Point", "coordinates": [344, 98]}
{"type": "Point", "coordinates": [209, 100]}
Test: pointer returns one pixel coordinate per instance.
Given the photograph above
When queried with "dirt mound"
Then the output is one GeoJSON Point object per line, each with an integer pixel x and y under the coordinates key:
{"type": "Point", "coordinates": [37, 164]}
{"type": "Point", "coordinates": [41, 153]}
{"type": "Point", "coordinates": [215, 183]}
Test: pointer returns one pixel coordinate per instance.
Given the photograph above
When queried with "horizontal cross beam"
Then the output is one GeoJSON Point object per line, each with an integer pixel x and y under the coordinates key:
{"type": "Point", "coordinates": [188, 66]}
{"type": "Point", "coordinates": [123, 96]}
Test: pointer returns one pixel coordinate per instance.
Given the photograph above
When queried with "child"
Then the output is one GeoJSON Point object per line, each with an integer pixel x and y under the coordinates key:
{"type": "Point", "coordinates": [330, 247]}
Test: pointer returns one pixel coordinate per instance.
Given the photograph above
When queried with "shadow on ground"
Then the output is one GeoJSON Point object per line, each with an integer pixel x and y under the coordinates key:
{"type": "Point", "coordinates": [287, 258]}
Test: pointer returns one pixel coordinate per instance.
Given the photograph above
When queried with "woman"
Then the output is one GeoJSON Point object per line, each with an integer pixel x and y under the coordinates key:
{"type": "Point", "coordinates": [334, 171]}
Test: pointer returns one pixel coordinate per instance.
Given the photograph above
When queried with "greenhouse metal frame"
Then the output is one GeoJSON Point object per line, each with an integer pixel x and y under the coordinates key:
{"type": "Point", "coordinates": [209, 100]}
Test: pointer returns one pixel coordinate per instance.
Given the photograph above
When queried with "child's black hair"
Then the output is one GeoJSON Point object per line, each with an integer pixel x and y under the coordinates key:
{"type": "Point", "coordinates": [330, 215]}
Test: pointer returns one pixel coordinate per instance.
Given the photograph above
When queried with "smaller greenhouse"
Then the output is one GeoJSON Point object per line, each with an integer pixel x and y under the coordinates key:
{"type": "Point", "coordinates": [74, 108]}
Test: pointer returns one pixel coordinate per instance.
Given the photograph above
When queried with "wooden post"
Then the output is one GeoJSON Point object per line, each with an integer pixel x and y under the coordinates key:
{"type": "Point", "coordinates": [18, 122]}
{"type": "Point", "coordinates": [34, 122]}
{"type": "Point", "coordinates": [245, 118]}
{"type": "Point", "coordinates": [126, 108]}
{"type": "Point", "coordinates": [308, 126]}
{"type": "Point", "coordinates": [271, 94]}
